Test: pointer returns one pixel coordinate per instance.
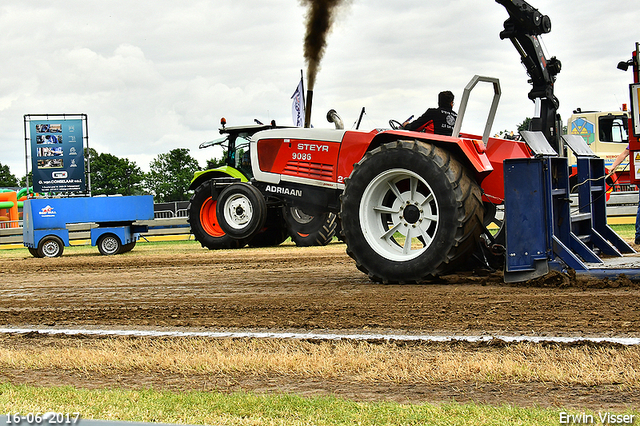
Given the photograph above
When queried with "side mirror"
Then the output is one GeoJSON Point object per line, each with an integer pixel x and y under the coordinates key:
{"type": "Point", "coordinates": [624, 65]}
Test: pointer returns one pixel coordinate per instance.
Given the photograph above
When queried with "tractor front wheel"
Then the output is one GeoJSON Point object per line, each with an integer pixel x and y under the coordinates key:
{"type": "Point", "coordinates": [241, 210]}
{"type": "Point", "coordinates": [410, 212]}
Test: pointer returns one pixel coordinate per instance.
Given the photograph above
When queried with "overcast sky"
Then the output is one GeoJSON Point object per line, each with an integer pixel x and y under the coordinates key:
{"type": "Point", "coordinates": [157, 75]}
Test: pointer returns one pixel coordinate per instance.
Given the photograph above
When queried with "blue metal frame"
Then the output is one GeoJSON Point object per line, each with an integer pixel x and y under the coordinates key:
{"type": "Point", "coordinates": [543, 233]}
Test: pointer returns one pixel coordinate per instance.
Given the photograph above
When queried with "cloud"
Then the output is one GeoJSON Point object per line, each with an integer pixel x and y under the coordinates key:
{"type": "Point", "coordinates": [157, 76]}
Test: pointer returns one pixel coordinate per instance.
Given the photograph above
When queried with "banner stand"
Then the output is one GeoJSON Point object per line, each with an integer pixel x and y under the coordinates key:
{"type": "Point", "coordinates": [55, 144]}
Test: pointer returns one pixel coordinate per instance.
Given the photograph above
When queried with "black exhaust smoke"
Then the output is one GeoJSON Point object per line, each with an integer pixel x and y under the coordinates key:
{"type": "Point", "coordinates": [320, 17]}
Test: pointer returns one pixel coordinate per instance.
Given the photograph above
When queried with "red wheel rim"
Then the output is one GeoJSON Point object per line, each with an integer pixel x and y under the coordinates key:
{"type": "Point", "coordinates": [208, 218]}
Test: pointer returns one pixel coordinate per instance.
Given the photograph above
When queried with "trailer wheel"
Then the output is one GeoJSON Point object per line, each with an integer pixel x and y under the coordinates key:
{"type": "Point", "coordinates": [50, 246]}
{"type": "Point", "coordinates": [307, 230]}
{"type": "Point", "coordinates": [241, 210]}
{"type": "Point", "coordinates": [204, 222]}
{"type": "Point", "coordinates": [33, 251]}
{"type": "Point", "coordinates": [127, 247]}
{"type": "Point", "coordinates": [410, 212]}
{"type": "Point", "coordinates": [109, 244]}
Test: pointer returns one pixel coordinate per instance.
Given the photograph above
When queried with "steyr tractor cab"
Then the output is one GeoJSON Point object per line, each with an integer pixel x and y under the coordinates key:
{"type": "Point", "coordinates": [280, 223]}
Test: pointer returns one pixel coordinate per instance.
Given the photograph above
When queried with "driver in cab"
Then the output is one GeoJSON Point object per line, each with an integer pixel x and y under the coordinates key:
{"type": "Point", "coordinates": [436, 120]}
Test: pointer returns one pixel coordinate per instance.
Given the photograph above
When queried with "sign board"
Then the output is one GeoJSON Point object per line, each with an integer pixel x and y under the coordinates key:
{"type": "Point", "coordinates": [635, 110]}
{"type": "Point", "coordinates": [56, 144]}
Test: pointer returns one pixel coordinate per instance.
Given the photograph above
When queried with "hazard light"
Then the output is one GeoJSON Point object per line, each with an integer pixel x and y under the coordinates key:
{"type": "Point", "coordinates": [479, 146]}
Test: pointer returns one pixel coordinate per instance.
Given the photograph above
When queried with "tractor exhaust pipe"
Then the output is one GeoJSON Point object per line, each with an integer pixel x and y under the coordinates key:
{"type": "Point", "coordinates": [333, 117]}
{"type": "Point", "coordinates": [307, 109]}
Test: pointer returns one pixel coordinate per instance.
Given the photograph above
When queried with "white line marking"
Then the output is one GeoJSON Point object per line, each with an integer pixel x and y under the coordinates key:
{"type": "Point", "coordinates": [629, 341]}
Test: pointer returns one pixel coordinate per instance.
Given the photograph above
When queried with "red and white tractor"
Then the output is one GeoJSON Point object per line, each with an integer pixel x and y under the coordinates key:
{"type": "Point", "coordinates": [411, 205]}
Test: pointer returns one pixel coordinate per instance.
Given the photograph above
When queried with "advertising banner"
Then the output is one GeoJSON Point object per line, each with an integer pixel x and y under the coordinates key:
{"type": "Point", "coordinates": [635, 108]}
{"type": "Point", "coordinates": [57, 154]}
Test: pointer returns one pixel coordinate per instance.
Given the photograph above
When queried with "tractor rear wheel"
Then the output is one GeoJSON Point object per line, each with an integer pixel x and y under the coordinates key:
{"type": "Point", "coordinates": [307, 230]}
{"type": "Point", "coordinates": [204, 222]}
{"type": "Point", "coordinates": [410, 212]}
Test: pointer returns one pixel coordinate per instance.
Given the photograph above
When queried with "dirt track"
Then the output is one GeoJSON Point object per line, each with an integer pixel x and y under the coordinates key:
{"type": "Point", "coordinates": [289, 288]}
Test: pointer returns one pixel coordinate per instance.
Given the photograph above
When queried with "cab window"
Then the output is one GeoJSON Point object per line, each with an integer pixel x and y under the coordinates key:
{"type": "Point", "coordinates": [242, 158]}
{"type": "Point", "coordinates": [613, 128]}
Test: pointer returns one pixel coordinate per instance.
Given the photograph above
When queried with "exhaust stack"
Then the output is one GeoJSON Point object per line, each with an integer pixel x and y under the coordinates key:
{"type": "Point", "coordinates": [307, 109]}
{"type": "Point", "coordinates": [333, 117]}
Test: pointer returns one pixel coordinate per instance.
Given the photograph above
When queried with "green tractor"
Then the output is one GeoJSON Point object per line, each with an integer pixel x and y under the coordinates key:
{"type": "Point", "coordinates": [281, 221]}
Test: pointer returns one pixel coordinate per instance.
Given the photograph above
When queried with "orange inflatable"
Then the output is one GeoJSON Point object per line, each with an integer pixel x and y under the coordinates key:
{"type": "Point", "coordinates": [13, 217]}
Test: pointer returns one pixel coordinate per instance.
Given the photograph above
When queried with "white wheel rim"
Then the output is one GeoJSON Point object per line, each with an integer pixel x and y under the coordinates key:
{"type": "Point", "coordinates": [238, 211]}
{"type": "Point", "coordinates": [109, 245]}
{"type": "Point", "coordinates": [399, 215]}
{"type": "Point", "coordinates": [51, 248]}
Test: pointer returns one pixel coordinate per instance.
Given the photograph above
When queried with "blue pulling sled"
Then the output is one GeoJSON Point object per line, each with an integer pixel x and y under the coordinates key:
{"type": "Point", "coordinates": [112, 219]}
{"type": "Point", "coordinates": [544, 232]}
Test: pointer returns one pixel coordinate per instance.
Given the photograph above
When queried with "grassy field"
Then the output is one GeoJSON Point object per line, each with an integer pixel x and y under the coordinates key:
{"type": "Point", "coordinates": [628, 232]}
{"type": "Point", "coordinates": [249, 409]}
{"type": "Point", "coordinates": [361, 362]}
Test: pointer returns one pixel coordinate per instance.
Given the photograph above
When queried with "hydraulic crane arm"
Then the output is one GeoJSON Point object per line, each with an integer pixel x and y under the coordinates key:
{"type": "Point", "coordinates": [524, 25]}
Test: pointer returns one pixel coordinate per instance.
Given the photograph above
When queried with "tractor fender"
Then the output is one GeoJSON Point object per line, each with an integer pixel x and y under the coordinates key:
{"type": "Point", "coordinates": [224, 171]}
{"type": "Point", "coordinates": [469, 150]}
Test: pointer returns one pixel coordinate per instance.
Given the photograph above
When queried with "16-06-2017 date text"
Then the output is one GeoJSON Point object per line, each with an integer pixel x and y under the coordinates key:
{"type": "Point", "coordinates": [50, 418]}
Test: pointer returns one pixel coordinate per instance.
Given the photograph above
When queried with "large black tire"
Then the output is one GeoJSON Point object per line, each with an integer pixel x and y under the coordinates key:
{"type": "Point", "coordinates": [204, 222]}
{"type": "Point", "coordinates": [50, 246]}
{"type": "Point", "coordinates": [127, 247]}
{"type": "Point", "coordinates": [241, 210]}
{"type": "Point", "coordinates": [274, 231]}
{"type": "Point", "coordinates": [307, 230]}
{"type": "Point", "coordinates": [410, 212]}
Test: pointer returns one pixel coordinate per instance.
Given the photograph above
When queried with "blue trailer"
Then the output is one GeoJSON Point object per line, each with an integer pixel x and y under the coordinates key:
{"type": "Point", "coordinates": [114, 229]}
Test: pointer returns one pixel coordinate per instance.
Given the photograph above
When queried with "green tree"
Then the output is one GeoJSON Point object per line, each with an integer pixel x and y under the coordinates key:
{"type": "Point", "coordinates": [23, 180]}
{"type": "Point", "coordinates": [222, 161]}
{"type": "Point", "coordinates": [524, 125]}
{"type": "Point", "coordinates": [6, 178]}
{"type": "Point", "coordinates": [214, 163]}
{"type": "Point", "coordinates": [171, 174]}
{"type": "Point", "coordinates": [111, 175]}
